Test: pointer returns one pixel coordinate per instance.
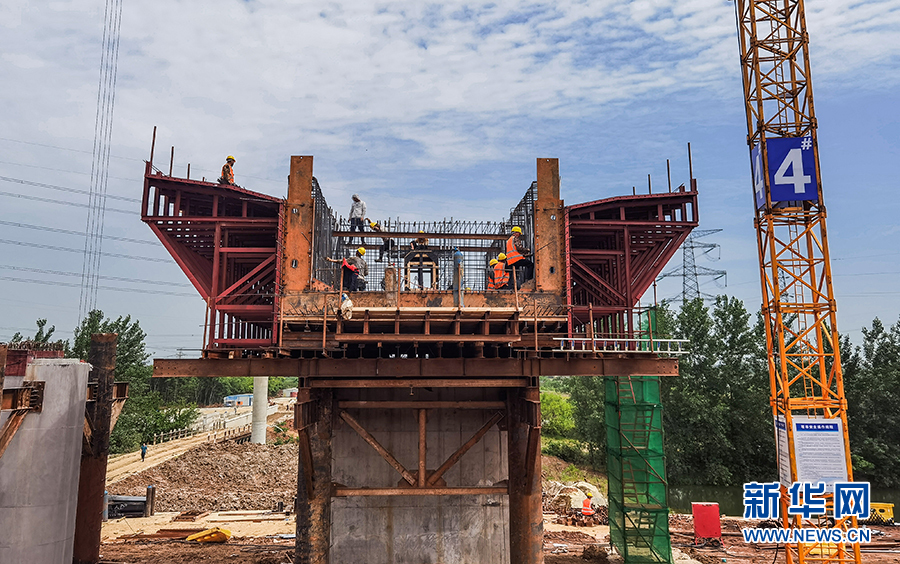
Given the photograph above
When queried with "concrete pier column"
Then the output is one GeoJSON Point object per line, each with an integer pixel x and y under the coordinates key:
{"type": "Point", "coordinates": [260, 407]}
{"type": "Point", "coordinates": [526, 525]}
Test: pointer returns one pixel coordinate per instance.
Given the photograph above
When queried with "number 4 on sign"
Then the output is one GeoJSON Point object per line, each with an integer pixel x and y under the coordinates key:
{"type": "Point", "coordinates": [794, 162]}
{"type": "Point", "coordinates": [758, 183]}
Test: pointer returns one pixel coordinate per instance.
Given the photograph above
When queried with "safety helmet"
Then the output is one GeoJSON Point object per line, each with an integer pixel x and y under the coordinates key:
{"type": "Point", "coordinates": [361, 250]}
{"type": "Point", "coordinates": [589, 494]}
{"type": "Point", "coordinates": [493, 262]}
{"type": "Point", "coordinates": [230, 158]}
{"type": "Point", "coordinates": [420, 231]}
{"type": "Point", "coordinates": [372, 224]}
{"type": "Point", "coordinates": [501, 256]}
{"type": "Point", "coordinates": [517, 229]}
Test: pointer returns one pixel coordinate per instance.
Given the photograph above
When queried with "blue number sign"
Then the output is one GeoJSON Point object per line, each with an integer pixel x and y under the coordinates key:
{"type": "Point", "coordinates": [792, 170]}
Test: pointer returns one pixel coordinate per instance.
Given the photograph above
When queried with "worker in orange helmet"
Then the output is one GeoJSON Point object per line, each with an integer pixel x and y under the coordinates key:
{"type": "Point", "coordinates": [516, 251]}
{"type": "Point", "coordinates": [501, 275]}
{"type": "Point", "coordinates": [228, 172]}
{"type": "Point", "coordinates": [586, 508]}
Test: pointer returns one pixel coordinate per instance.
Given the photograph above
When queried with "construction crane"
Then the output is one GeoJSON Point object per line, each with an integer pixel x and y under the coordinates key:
{"type": "Point", "coordinates": [795, 271]}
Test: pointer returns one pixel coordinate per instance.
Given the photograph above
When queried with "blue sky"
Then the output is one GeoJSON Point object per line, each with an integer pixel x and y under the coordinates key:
{"type": "Point", "coordinates": [427, 111]}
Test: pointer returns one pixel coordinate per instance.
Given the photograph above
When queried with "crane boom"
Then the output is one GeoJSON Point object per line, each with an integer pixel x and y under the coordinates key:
{"type": "Point", "coordinates": [795, 271]}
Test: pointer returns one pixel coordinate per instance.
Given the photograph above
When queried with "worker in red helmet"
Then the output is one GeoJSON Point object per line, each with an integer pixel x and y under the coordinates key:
{"type": "Point", "coordinates": [228, 172]}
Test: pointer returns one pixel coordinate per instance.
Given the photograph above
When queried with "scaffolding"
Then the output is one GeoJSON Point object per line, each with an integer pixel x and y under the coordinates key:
{"type": "Point", "coordinates": [638, 507]}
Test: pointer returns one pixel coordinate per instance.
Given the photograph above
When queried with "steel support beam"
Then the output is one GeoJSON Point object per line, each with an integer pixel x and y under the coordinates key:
{"type": "Point", "coordinates": [92, 479]}
{"type": "Point", "coordinates": [374, 368]}
{"type": "Point", "coordinates": [526, 526]}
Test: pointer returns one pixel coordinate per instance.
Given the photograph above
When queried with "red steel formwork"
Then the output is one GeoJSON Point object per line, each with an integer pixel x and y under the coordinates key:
{"type": "Point", "coordinates": [225, 238]}
{"type": "Point", "coordinates": [615, 249]}
{"type": "Point", "coordinates": [228, 242]}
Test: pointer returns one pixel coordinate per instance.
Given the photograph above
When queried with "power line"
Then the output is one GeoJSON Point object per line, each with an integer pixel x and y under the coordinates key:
{"type": "Point", "coordinates": [78, 233]}
{"type": "Point", "coordinates": [61, 202]}
{"type": "Point", "coordinates": [64, 148]}
{"type": "Point", "coordinates": [64, 188]}
{"type": "Point", "coordinates": [70, 250]}
{"type": "Point", "coordinates": [103, 126]}
{"type": "Point", "coordinates": [113, 288]}
{"type": "Point", "coordinates": [117, 278]}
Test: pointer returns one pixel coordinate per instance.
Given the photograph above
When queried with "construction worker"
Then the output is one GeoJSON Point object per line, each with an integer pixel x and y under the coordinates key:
{"type": "Point", "coordinates": [515, 257]}
{"type": "Point", "coordinates": [354, 270]}
{"type": "Point", "coordinates": [357, 213]}
{"type": "Point", "coordinates": [228, 172]}
{"type": "Point", "coordinates": [501, 274]}
{"type": "Point", "coordinates": [420, 243]}
{"type": "Point", "coordinates": [516, 254]}
{"type": "Point", "coordinates": [490, 274]}
{"type": "Point", "coordinates": [586, 508]}
{"type": "Point", "coordinates": [387, 244]}
{"type": "Point", "coordinates": [457, 277]}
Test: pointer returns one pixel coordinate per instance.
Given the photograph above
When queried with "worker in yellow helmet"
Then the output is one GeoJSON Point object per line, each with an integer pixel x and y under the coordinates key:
{"type": "Point", "coordinates": [353, 270]}
{"type": "Point", "coordinates": [420, 243]}
{"type": "Point", "coordinates": [387, 244]}
{"type": "Point", "coordinates": [228, 171]}
{"type": "Point", "coordinates": [490, 274]}
{"type": "Point", "coordinates": [586, 508]}
{"type": "Point", "coordinates": [516, 251]}
{"type": "Point", "coordinates": [501, 275]}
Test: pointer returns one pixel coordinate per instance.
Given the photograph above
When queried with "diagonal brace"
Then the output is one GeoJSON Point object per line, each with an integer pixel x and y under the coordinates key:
{"type": "Point", "coordinates": [411, 480]}
{"type": "Point", "coordinates": [454, 458]}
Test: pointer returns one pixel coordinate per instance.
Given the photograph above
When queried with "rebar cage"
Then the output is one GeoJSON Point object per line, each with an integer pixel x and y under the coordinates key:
{"type": "Point", "coordinates": [419, 271]}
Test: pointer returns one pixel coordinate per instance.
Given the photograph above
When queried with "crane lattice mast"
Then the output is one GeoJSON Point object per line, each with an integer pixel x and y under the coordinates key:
{"type": "Point", "coordinates": [795, 270]}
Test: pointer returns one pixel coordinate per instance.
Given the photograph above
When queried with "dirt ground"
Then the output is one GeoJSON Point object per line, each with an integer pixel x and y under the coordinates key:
{"type": "Point", "coordinates": [220, 477]}
{"type": "Point", "coordinates": [241, 484]}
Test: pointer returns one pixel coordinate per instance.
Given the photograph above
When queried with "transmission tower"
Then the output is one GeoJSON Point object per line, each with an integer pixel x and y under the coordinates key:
{"type": "Point", "coordinates": [689, 271]}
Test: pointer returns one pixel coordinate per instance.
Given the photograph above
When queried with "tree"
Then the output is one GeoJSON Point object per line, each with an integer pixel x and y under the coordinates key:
{"type": "Point", "coordinates": [41, 337]}
{"type": "Point", "coordinates": [872, 387]}
{"type": "Point", "coordinates": [556, 415]}
{"type": "Point", "coordinates": [145, 413]}
{"type": "Point", "coordinates": [717, 418]}
{"type": "Point", "coordinates": [587, 395]}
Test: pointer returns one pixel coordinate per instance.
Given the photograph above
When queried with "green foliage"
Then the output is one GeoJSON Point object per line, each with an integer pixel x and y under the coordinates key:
{"type": "Point", "coordinates": [570, 450]}
{"type": "Point", "coordinates": [556, 415]}
{"type": "Point", "coordinates": [145, 412]}
{"type": "Point", "coordinates": [41, 337]}
{"type": "Point", "coordinates": [716, 413]}
{"type": "Point", "coordinates": [872, 387]}
{"type": "Point", "coordinates": [560, 384]}
{"type": "Point", "coordinates": [586, 396]}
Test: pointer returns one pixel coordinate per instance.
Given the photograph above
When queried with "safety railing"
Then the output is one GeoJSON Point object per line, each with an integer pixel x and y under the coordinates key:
{"type": "Point", "coordinates": [669, 347]}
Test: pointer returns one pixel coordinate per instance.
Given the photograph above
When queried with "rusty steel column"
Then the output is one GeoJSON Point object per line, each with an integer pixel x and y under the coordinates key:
{"type": "Point", "coordinates": [2, 367]}
{"type": "Point", "coordinates": [526, 525]}
{"type": "Point", "coordinates": [314, 512]}
{"type": "Point", "coordinates": [95, 452]}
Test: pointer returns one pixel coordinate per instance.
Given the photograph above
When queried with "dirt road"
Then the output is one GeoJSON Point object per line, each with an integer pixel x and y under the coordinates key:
{"type": "Point", "coordinates": [125, 465]}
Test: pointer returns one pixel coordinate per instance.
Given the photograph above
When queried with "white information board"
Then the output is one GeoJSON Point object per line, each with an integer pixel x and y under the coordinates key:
{"type": "Point", "coordinates": [819, 449]}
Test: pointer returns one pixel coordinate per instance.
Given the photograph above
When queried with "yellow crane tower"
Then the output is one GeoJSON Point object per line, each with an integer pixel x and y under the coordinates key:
{"type": "Point", "coordinates": [807, 391]}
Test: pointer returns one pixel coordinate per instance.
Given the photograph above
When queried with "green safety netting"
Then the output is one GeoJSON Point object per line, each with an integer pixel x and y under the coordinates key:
{"type": "Point", "coordinates": [638, 508]}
